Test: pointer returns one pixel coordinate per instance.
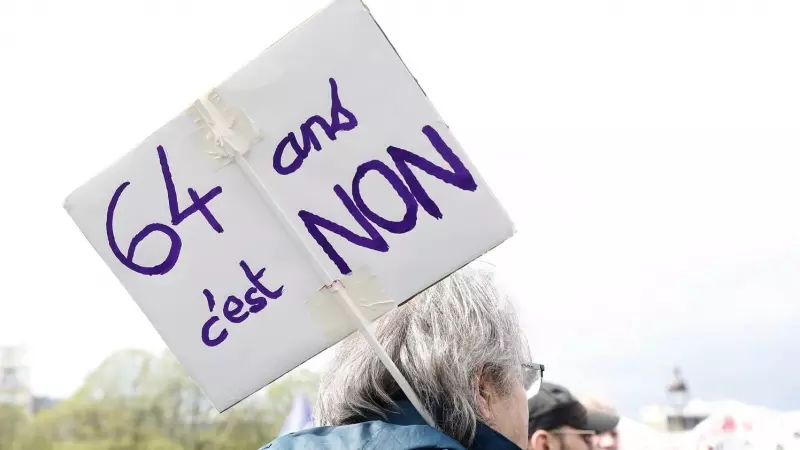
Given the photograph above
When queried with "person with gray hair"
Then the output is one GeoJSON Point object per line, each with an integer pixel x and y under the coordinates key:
{"type": "Point", "coordinates": [460, 346]}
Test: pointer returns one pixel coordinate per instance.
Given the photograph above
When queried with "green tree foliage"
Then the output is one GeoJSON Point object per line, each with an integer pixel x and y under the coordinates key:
{"type": "Point", "coordinates": [139, 401]}
{"type": "Point", "coordinates": [13, 421]}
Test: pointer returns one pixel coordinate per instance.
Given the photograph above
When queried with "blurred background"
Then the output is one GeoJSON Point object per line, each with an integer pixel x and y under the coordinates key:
{"type": "Point", "coordinates": [647, 150]}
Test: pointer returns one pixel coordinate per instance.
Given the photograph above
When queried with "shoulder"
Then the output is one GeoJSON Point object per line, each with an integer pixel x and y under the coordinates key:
{"type": "Point", "coordinates": [373, 435]}
{"type": "Point", "coordinates": [334, 438]}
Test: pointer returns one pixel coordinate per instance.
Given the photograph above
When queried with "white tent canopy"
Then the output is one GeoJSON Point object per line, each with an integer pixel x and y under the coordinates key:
{"type": "Point", "coordinates": [730, 425]}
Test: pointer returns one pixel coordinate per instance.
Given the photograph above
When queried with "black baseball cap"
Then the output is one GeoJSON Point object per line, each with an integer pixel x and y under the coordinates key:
{"type": "Point", "coordinates": [554, 407]}
{"type": "Point", "coordinates": [601, 422]}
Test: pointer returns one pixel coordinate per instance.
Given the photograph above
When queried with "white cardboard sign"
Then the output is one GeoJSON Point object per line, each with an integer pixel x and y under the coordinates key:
{"type": "Point", "coordinates": [352, 169]}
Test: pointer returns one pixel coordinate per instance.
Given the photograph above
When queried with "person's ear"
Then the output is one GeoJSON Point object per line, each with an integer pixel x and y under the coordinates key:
{"type": "Point", "coordinates": [539, 441]}
{"type": "Point", "coordinates": [485, 398]}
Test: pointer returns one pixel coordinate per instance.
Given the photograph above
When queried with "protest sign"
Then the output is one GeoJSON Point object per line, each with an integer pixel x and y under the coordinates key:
{"type": "Point", "coordinates": [320, 162]}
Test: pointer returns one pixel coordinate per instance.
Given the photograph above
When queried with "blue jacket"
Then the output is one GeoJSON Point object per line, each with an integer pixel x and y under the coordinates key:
{"type": "Point", "coordinates": [403, 430]}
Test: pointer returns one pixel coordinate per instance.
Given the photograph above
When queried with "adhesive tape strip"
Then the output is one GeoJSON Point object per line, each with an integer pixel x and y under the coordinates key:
{"type": "Point", "coordinates": [329, 311]}
{"type": "Point", "coordinates": [228, 129]}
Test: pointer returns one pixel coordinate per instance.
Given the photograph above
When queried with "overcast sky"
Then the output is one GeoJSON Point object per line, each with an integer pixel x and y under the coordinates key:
{"type": "Point", "coordinates": [648, 151]}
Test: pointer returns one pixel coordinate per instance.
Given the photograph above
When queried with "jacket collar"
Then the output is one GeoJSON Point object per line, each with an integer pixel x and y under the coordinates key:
{"type": "Point", "coordinates": [485, 437]}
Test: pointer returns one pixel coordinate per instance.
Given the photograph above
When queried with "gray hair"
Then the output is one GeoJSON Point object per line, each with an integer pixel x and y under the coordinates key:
{"type": "Point", "coordinates": [443, 341]}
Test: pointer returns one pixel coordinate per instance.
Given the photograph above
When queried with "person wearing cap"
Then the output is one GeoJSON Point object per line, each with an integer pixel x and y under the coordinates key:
{"type": "Point", "coordinates": [557, 420]}
{"type": "Point", "coordinates": [603, 420]}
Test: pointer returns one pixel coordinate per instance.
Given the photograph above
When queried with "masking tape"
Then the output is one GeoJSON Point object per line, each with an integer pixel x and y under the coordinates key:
{"type": "Point", "coordinates": [227, 128]}
{"type": "Point", "coordinates": [329, 311]}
